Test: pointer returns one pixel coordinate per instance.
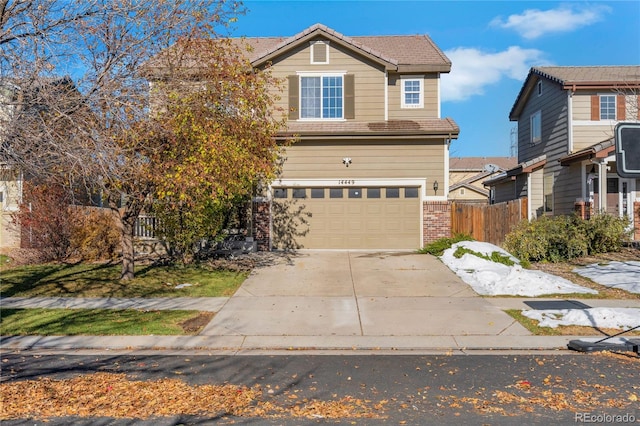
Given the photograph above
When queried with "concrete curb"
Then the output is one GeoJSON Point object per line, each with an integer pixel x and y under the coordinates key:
{"type": "Point", "coordinates": [289, 343]}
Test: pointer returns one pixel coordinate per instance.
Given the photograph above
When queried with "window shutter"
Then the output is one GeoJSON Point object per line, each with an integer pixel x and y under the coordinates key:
{"type": "Point", "coordinates": [294, 97]}
{"type": "Point", "coordinates": [621, 107]}
{"type": "Point", "coordinates": [349, 97]}
{"type": "Point", "coordinates": [595, 108]}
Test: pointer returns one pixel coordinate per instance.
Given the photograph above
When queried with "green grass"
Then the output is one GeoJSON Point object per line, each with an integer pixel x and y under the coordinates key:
{"type": "Point", "coordinates": [531, 324]}
{"type": "Point", "coordinates": [97, 322]}
{"type": "Point", "coordinates": [102, 280]}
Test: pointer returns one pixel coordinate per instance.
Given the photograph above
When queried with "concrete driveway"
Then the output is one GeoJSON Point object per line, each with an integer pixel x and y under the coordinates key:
{"type": "Point", "coordinates": [338, 295]}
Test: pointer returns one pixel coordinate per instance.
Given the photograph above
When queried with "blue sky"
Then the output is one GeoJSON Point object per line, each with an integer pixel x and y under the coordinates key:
{"type": "Point", "coordinates": [492, 45]}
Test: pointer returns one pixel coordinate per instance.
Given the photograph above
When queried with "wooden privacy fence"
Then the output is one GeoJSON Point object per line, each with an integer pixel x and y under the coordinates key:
{"type": "Point", "coordinates": [487, 222]}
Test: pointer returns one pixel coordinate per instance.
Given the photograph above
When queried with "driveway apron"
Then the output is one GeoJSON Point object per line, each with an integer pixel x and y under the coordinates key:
{"type": "Point", "coordinates": [356, 293]}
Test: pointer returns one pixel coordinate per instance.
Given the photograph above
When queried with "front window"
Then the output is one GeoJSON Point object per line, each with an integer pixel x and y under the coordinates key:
{"type": "Point", "coordinates": [607, 107]}
{"type": "Point", "coordinates": [321, 97]}
{"type": "Point", "coordinates": [412, 93]}
{"type": "Point", "coordinates": [536, 127]}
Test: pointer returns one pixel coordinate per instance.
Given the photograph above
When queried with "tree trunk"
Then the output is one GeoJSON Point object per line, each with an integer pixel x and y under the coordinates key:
{"type": "Point", "coordinates": [127, 217]}
{"type": "Point", "coordinates": [128, 252]}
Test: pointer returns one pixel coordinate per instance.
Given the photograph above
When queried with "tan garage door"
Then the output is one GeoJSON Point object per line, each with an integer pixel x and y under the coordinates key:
{"type": "Point", "coordinates": [346, 218]}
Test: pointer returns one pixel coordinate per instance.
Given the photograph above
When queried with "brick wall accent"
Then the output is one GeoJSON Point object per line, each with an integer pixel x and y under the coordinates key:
{"type": "Point", "coordinates": [636, 220]}
{"type": "Point", "coordinates": [262, 224]}
{"type": "Point", "coordinates": [583, 209]}
{"type": "Point", "coordinates": [436, 220]}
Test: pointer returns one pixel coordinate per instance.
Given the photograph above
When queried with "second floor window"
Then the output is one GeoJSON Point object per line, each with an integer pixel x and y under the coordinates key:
{"type": "Point", "coordinates": [536, 127]}
{"type": "Point", "coordinates": [412, 93]}
{"type": "Point", "coordinates": [321, 97]}
{"type": "Point", "coordinates": [607, 107]}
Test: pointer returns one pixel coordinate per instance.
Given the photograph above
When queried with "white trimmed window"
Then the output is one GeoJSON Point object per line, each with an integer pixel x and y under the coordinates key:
{"type": "Point", "coordinates": [321, 97]}
{"type": "Point", "coordinates": [412, 92]}
{"type": "Point", "coordinates": [535, 123]}
{"type": "Point", "coordinates": [607, 107]}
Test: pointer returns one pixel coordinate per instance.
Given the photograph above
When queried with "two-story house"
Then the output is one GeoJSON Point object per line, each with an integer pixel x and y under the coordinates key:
{"type": "Point", "coordinates": [369, 168]}
{"type": "Point", "coordinates": [566, 153]}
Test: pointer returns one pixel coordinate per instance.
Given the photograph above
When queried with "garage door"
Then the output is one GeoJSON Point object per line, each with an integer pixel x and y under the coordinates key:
{"type": "Point", "coordinates": [346, 218]}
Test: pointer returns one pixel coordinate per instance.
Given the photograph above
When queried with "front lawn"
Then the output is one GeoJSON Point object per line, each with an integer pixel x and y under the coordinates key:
{"type": "Point", "coordinates": [100, 322]}
{"type": "Point", "coordinates": [102, 280]}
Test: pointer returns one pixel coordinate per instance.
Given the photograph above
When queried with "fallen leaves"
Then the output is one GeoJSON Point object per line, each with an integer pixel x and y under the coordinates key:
{"type": "Point", "coordinates": [114, 395]}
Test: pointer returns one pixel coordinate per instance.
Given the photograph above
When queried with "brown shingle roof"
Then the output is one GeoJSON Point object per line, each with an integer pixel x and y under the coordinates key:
{"type": "Point", "coordinates": [478, 163]}
{"type": "Point", "coordinates": [594, 77]}
{"type": "Point", "coordinates": [582, 75]}
{"type": "Point", "coordinates": [420, 128]}
{"type": "Point", "coordinates": [402, 52]}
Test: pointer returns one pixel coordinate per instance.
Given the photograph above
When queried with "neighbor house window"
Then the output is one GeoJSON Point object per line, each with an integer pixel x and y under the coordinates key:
{"type": "Point", "coordinates": [321, 97]}
{"type": "Point", "coordinates": [412, 92]}
{"type": "Point", "coordinates": [536, 127]}
{"type": "Point", "coordinates": [539, 88]}
{"type": "Point", "coordinates": [607, 107]}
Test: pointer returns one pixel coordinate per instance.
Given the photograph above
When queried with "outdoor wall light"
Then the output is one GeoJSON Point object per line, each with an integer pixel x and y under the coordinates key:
{"type": "Point", "coordinates": [435, 186]}
{"type": "Point", "coordinates": [346, 161]}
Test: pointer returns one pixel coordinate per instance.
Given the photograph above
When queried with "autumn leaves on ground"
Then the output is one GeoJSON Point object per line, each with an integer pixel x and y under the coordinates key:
{"type": "Point", "coordinates": [122, 396]}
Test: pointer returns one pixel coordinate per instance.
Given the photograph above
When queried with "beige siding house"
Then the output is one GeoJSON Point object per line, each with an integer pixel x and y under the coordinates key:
{"type": "Point", "coordinates": [369, 168]}
{"type": "Point", "coordinates": [566, 154]}
{"type": "Point", "coordinates": [466, 176]}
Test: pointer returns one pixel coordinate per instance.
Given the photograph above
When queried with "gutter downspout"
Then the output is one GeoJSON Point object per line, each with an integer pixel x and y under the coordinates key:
{"type": "Point", "coordinates": [570, 121]}
{"type": "Point", "coordinates": [529, 203]}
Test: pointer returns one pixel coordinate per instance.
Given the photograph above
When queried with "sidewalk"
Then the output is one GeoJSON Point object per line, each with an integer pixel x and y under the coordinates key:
{"type": "Point", "coordinates": [332, 302]}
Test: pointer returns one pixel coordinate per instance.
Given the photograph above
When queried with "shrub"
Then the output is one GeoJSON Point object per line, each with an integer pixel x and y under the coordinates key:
{"type": "Point", "coordinates": [525, 243]}
{"type": "Point", "coordinates": [94, 234]}
{"type": "Point", "coordinates": [438, 247]}
{"type": "Point", "coordinates": [559, 238]}
{"type": "Point", "coordinates": [495, 256]}
{"type": "Point", "coordinates": [44, 219]}
{"type": "Point", "coordinates": [607, 233]}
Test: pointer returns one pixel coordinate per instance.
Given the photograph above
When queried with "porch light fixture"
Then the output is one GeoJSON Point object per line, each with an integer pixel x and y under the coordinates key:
{"type": "Point", "coordinates": [346, 161]}
{"type": "Point", "coordinates": [435, 186]}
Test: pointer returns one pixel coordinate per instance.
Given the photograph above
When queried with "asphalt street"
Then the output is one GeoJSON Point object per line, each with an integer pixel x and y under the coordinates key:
{"type": "Point", "coordinates": [418, 390]}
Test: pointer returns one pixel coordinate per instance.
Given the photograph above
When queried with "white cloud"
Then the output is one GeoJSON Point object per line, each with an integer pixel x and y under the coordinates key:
{"type": "Point", "coordinates": [533, 23]}
{"type": "Point", "coordinates": [473, 70]}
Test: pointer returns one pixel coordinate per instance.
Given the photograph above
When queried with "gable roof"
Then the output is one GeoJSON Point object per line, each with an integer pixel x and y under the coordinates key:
{"type": "Point", "coordinates": [478, 163]}
{"type": "Point", "coordinates": [524, 167]}
{"type": "Point", "coordinates": [573, 78]}
{"type": "Point", "coordinates": [401, 53]}
{"type": "Point", "coordinates": [599, 150]}
{"type": "Point", "coordinates": [480, 191]}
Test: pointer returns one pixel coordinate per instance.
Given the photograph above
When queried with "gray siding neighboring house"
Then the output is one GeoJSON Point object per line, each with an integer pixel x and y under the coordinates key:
{"type": "Point", "coordinates": [566, 119]}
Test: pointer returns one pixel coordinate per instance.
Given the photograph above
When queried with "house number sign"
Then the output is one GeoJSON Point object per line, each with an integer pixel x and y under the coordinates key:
{"type": "Point", "coordinates": [346, 182]}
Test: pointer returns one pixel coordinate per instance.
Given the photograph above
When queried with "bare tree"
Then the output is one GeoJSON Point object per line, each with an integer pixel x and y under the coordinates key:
{"type": "Point", "coordinates": [97, 129]}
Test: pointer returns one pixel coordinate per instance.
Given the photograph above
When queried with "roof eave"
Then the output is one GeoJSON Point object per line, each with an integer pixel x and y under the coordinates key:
{"type": "Point", "coordinates": [409, 68]}
{"type": "Point", "coordinates": [294, 42]}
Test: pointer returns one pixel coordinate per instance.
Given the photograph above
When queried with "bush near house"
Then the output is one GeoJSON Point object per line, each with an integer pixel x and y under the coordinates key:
{"type": "Point", "coordinates": [438, 246]}
{"type": "Point", "coordinates": [58, 230]}
{"type": "Point", "coordinates": [559, 238]}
